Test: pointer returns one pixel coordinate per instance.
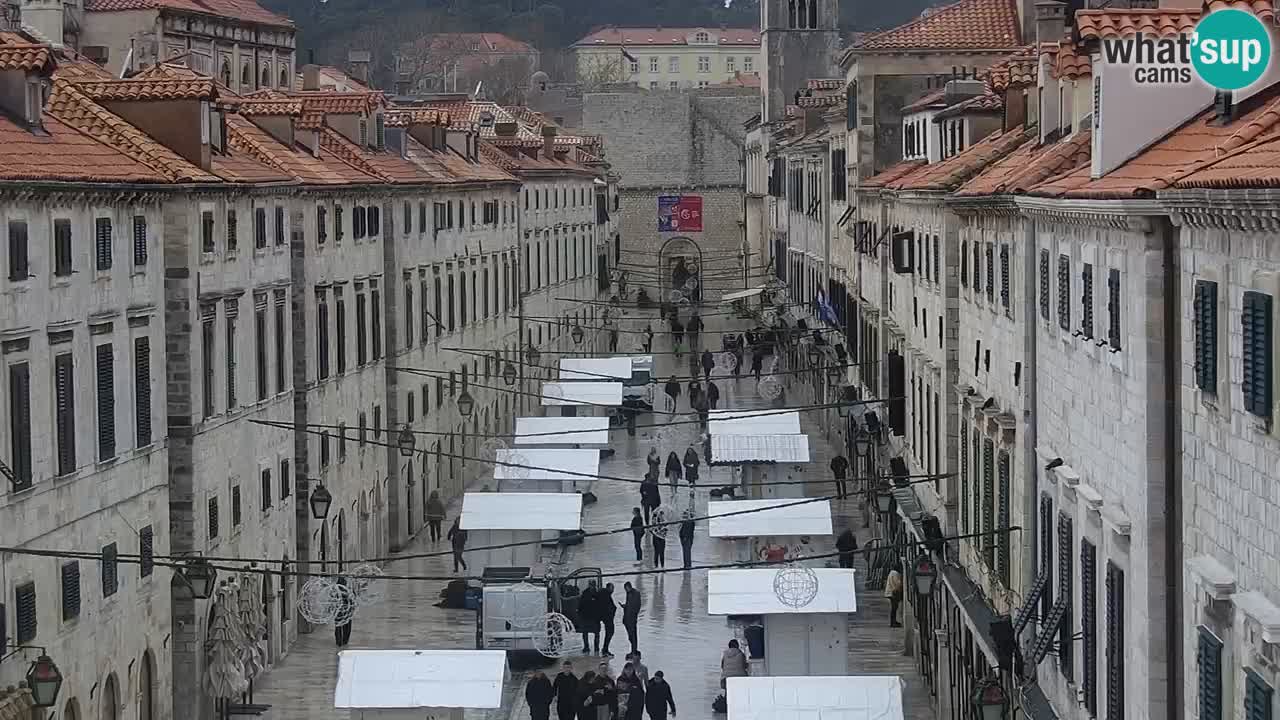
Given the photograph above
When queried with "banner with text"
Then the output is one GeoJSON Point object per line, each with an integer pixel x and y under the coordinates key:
{"type": "Point", "coordinates": [679, 213]}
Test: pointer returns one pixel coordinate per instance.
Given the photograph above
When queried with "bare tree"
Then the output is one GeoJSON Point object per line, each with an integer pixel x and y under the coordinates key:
{"type": "Point", "coordinates": [505, 80]}
{"type": "Point", "coordinates": [596, 71]}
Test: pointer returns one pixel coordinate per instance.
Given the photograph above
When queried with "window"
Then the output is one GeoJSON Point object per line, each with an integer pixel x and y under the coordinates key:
{"type": "Point", "coordinates": [1257, 696]}
{"type": "Point", "coordinates": [236, 516]}
{"type": "Point", "coordinates": [964, 263]}
{"type": "Point", "coordinates": [233, 240]}
{"type": "Point", "coordinates": [213, 517]}
{"type": "Point", "coordinates": [65, 412]}
{"type": "Point", "coordinates": [1066, 632]}
{"type": "Point", "coordinates": [408, 313]}
{"type": "Point", "coordinates": [322, 225]}
{"type": "Point", "coordinates": [340, 313]}
{"type": "Point", "coordinates": [206, 357]}
{"type": "Point", "coordinates": [1044, 284]}
{"type": "Point", "coordinates": [673, 64]}
{"type": "Point", "coordinates": [373, 221]}
{"type": "Point", "coordinates": [260, 228]}
{"type": "Point", "coordinates": [146, 551]}
{"type": "Point", "coordinates": [342, 443]}
{"type": "Point", "coordinates": [338, 228]}
{"type": "Point", "coordinates": [24, 611]}
{"type": "Point", "coordinates": [102, 243]}
{"type": "Point", "coordinates": [62, 248]}
{"type": "Point", "coordinates": [634, 67]}
{"type": "Point", "coordinates": [20, 424]}
{"type": "Point", "coordinates": [110, 570]}
{"type": "Point", "coordinates": [1005, 281]}
{"type": "Point", "coordinates": [142, 390]}
{"type": "Point", "coordinates": [70, 590]}
{"type": "Point", "coordinates": [139, 240]}
{"type": "Point", "coordinates": [260, 344]}
{"type": "Point", "coordinates": [1256, 319]}
{"type": "Point", "coordinates": [1004, 563]}
{"type": "Point", "coordinates": [1113, 308]}
{"type": "Point", "coordinates": [1209, 670]}
{"type": "Point", "coordinates": [286, 478]}
{"type": "Point", "coordinates": [375, 299]}
{"type": "Point", "coordinates": [19, 263]}
{"type": "Point", "coordinates": [232, 309]}
{"type": "Point", "coordinates": [322, 334]}
{"type": "Point", "coordinates": [281, 354]}
{"type": "Point", "coordinates": [280, 238]}
{"type": "Point", "coordinates": [1116, 641]}
{"type": "Point", "coordinates": [362, 350]}
{"type": "Point", "coordinates": [104, 367]}
{"type": "Point", "coordinates": [358, 222]}
{"type": "Point", "coordinates": [1064, 292]}
{"type": "Point", "coordinates": [1205, 317]}
{"type": "Point", "coordinates": [653, 68]}
{"type": "Point", "coordinates": [1086, 300]}
{"type": "Point", "coordinates": [704, 64]}
{"type": "Point", "coordinates": [1089, 625]}
{"type": "Point", "coordinates": [377, 422]}
{"type": "Point", "coordinates": [748, 64]}
{"type": "Point", "coordinates": [730, 65]}
{"type": "Point", "coordinates": [988, 543]}
{"type": "Point", "coordinates": [462, 297]}
{"type": "Point", "coordinates": [701, 37]}
{"type": "Point", "coordinates": [653, 84]}
{"type": "Point", "coordinates": [991, 273]}
{"type": "Point", "coordinates": [422, 217]}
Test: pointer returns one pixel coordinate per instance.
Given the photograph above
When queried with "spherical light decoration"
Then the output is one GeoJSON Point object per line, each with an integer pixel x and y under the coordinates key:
{"type": "Point", "coordinates": [650, 391]}
{"type": "Point", "coordinates": [769, 388]}
{"type": "Point", "coordinates": [316, 601]}
{"type": "Point", "coordinates": [795, 586]}
{"type": "Point", "coordinates": [726, 363]}
{"type": "Point", "coordinates": [517, 466]}
{"type": "Point", "coordinates": [691, 284]}
{"type": "Point", "coordinates": [676, 297]}
{"type": "Point", "coordinates": [489, 449]}
{"type": "Point", "coordinates": [553, 635]}
{"type": "Point", "coordinates": [367, 584]}
{"type": "Point", "coordinates": [511, 617]}
{"type": "Point", "coordinates": [345, 602]}
{"type": "Point", "coordinates": [668, 403]}
{"type": "Point", "coordinates": [658, 520]}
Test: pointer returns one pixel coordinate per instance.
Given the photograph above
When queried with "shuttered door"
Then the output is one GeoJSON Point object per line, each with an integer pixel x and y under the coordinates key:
{"type": "Point", "coordinates": [139, 240]}
{"type": "Point", "coordinates": [1115, 642]}
{"type": "Point", "coordinates": [146, 551]}
{"type": "Point", "coordinates": [1256, 319]}
{"type": "Point", "coordinates": [1046, 553]}
{"type": "Point", "coordinates": [1257, 697]}
{"type": "Point", "coordinates": [102, 243]}
{"type": "Point", "coordinates": [19, 264]}
{"type": "Point", "coordinates": [991, 273]}
{"type": "Point", "coordinates": [1004, 561]}
{"type": "Point", "coordinates": [142, 390]}
{"type": "Point", "coordinates": [70, 590]}
{"type": "Point", "coordinates": [1086, 300]}
{"type": "Point", "coordinates": [1205, 311]}
{"type": "Point", "coordinates": [964, 479]}
{"type": "Point", "coordinates": [1089, 625]}
{"type": "Point", "coordinates": [20, 425]}
{"type": "Point", "coordinates": [65, 412]}
{"type": "Point", "coordinates": [24, 613]}
{"type": "Point", "coordinates": [105, 369]}
{"type": "Point", "coordinates": [1113, 308]}
{"type": "Point", "coordinates": [988, 502]}
{"type": "Point", "coordinates": [1005, 280]}
{"type": "Point", "coordinates": [1044, 284]}
{"type": "Point", "coordinates": [1064, 292]}
{"type": "Point", "coordinates": [1066, 631]}
{"type": "Point", "coordinates": [1209, 668]}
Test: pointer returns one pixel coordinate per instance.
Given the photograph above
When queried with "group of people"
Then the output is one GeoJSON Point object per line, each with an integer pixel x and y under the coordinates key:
{"type": "Point", "coordinates": [597, 695]}
{"type": "Point", "coordinates": [597, 609]}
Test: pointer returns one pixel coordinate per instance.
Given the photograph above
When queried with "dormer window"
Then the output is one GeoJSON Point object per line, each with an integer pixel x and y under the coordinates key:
{"type": "Point", "coordinates": [701, 37]}
{"type": "Point", "coordinates": [35, 99]}
{"type": "Point", "coordinates": [380, 131]}
{"type": "Point", "coordinates": [364, 132]}
{"type": "Point", "coordinates": [486, 119]}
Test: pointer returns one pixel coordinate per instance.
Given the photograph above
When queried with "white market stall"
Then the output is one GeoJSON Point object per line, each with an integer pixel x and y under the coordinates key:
{"type": "Point", "coordinates": [562, 431]}
{"type": "Point", "coordinates": [541, 469]}
{"type": "Point", "coordinates": [500, 518]}
{"type": "Point", "coordinates": [766, 444]}
{"type": "Point", "coordinates": [597, 397]}
{"type": "Point", "coordinates": [418, 684]}
{"type": "Point", "coordinates": [762, 523]}
{"type": "Point", "coordinates": [805, 640]}
{"type": "Point", "coordinates": [855, 697]}
{"type": "Point", "coordinates": [596, 369]}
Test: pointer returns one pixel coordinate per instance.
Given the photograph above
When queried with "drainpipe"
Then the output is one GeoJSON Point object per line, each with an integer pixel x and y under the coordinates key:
{"type": "Point", "coordinates": [1173, 454]}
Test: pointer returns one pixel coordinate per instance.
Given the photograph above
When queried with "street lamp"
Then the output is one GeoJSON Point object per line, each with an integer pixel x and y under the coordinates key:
{"type": "Point", "coordinates": [531, 354]}
{"type": "Point", "coordinates": [509, 374]}
{"type": "Point", "coordinates": [576, 333]}
{"type": "Point", "coordinates": [861, 444]}
{"type": "Point", "coordinates": [320, 501]}
{"type": "Point", "coordinates": [925, 573]}
{"type": "Point", "coordinates": [884, 498]}
{"type": "Point", "coordinates": [815, 356]}
{"type": "Point", "coordinates": [990, 700]}
{"type": "Point", "coordinates": [200, 577]}
{"type": "Point", "coordinates": [406, 441]}
{"type": "Point", "coordinates": [45, 681]}
{"type": "Point", "coordinates": [466, 404]}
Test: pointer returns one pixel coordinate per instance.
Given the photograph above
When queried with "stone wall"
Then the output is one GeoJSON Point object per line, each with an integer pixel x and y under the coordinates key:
{"type": "Point", "coordinates": [722, 230]}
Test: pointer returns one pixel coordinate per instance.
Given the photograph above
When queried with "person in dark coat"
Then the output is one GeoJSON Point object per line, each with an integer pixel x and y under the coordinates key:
{"type": "Point", "coordinates": [713, 394]}
{"type": "Point", "coordinates": [659, 550]}
{"type": "Point", "coordinates": [648, 338]}
{"type": "Point", "coordinates": [637, 532]}
{"type": "Point", "coordinates": [654, 458]}
{"type": "Point", "coordinates": [607, 609]}
{"type": "Point", "coordinates": [458, 539]}
{"type": "Point", "coordinates": [686, 538]}
{"type": "Point", "coordinates": [677, 333]}
{"type": "Point", "coordinates": [757, 363]}
{"type": "Point", "coordinates": [566, 692]}
{"type": "Point", "coordinates": [840, 468]}
{"type": "Point", "coordinates": [672, 389]}
{"type": "Point", "coordinates": [538, 693]}
{"type": "Point", "coordinates": [695, 388]}
{"type": "Point", "coordinates": [694, 327]}
{"type": "Point", "coordinates": [613, 340]}
{"type": "Point", "coordinates": [847, 545]}
{"type": "Point", "coordinates": [586, 685]}
{"type": "Point", "coordinates": [588, 618]}
{"type": "Point", "coordinates": [702, 406]}
{"type": "Point", "coordinates": [631, 615]}
{"type": "Point", "coordinates": [708, 362]}
{"type": "Point", "coordinates": [650, 498]}
{"type": "Point", "coordinates": [632, 686]}
{"type": "Point", "coordinates": [658, 698]}
{"type": "Point", "coordinates": [691, 463]}
{"type": "Point", "coordinates": [435, 515]}
{"type": "Point", "coordinates": [675, 472]}
{"type": "Point", "coordinates": [342, 633]}
{"type": "Point", "coordinates": [601, 693]}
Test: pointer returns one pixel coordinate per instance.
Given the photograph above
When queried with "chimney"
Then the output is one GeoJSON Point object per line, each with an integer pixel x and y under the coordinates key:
{"type": "Point", "coordinates": [310, 77]}
{"type": "Point", "coordinates": [959, 90]}
{"type": "Point", "coordinates": [22, 95]}
{"type": "Point", "coordinates": [549, 142]}
{"type": "Point", "coordinates": [358, 63]}
{"type": "Point", "coordinates": [1015, 108]}
{"type": "Point", "coordinates": [1051, 21]}
{"type": "Point", "coordinates": [45, 17]}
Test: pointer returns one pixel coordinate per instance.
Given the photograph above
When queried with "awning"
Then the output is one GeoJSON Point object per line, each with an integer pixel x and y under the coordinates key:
{"type": "Point", "coordinates": [547, 463]}
{"type": "Point", "coordinates": [851, 697]}
{"type": "Point", "coordinates": [618, 368]}
{"type": "Point", "coordinates": [740, 295]}
{"type": "Point", "coordinates": [521, 511]}
{"type": "Point", "coordinates": [588, 430]}
{"type": "Point", "coordinates": [750, 592]}
{"type": "Point", "coordinates": [753, 422]}
{"type": "Point", "coordinates": [411, 679]}
{"type": "Point", "coordinates": [759, 449]}
{"type": "Point", "coordinates": [774, 517]}
{"type": "Point", "coordinates": [607, 394]}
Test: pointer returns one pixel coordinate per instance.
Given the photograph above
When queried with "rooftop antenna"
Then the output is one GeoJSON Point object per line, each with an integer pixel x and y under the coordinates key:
{"type": "Point", "coordinates": [476, 94]}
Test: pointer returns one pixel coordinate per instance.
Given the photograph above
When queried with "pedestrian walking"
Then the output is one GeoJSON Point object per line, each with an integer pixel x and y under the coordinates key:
{"type": "Point", "coordinates": [713, 394]}
{"type": "Point", "coordinates": [342, 633]}
{"type": "Point", "coordinates": [702, 406]}
{"type": "Point", "coordinates": [634, 708]}
{"type": "Point", "coordinates": [757, 363]}
{"type": "Point", "coordinates": [648, 338]}
{"type": "Point", "coordinates": [733, 663]}
{"type": "Point", "coordinates": [686, 538]}
{"type": "Point", "coordinates": [654, 458]}
{"type": "Point", "coordinates": [631, 615]}
{"type": "Point", "coordinates": [608, 610]}
{"type": "Point", "coordinates": [893, 591]}
{"type": "Point", "coordinates": [613, 340]}
{"type": "Point", "coordinates": [658, 698]}
{"type": "Point", "coordinates": [642, 670]}
{"type": "Point", "coordinates": [677, 335]}
{"type": "Point", "coordinates": [659, 550]}
{"type": "Point", "coordinates": [588, 618]}
{"type": "Point", "coordinates": [650, 498]}
{"type": "Point", "coordinates": [637, 532]}
{"type": "Point", "coordinates": [847, 545]}
{"type": "Point", "coordinates": [458, 538]}
{"type": "Point", "coordinates": [604, 698]}
{"type": "Point", "coordinates": [566, 692]}
{"type": "Point", "coordinates": [691, 463]}
{"type": "Point", "coordinates": [675, 472]}
{"type": "Point", "coordinates": [672, 389]}
{"type": "Point", "coordinates": [695, 328]}
{"type": "Point", "coordinates": [695, 390]}
{"type": "Point", "coordinates": [840, 468]}
{"type": "Point", "coordinates": [582, 703]}
{"type": "Point", "coordinates": [435, 514]}
{"type": "Point", "coordinates": [708, 362]}
{"type": "Point", "coordinates": [538, 693]}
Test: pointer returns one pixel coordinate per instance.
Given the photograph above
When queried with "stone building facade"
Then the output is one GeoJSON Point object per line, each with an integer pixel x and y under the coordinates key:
{"type": "Point", "coordinates": [658, 58]}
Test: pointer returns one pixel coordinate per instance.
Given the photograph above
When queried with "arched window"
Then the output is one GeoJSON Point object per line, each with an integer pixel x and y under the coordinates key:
{"type": "Point", "coordinates": [284, 79]}
{"type": "Point", "coordinates": [813, 14]}
{"type": "Point", "coordinates": [146, 687]}
{"type": "Point", "coordinates": [246, 80]}
{"type": "Point", "coordinates": [225, 73]}
{"type": "Point", "coordinates": [266, 78]}
{"type": "Point", "coordinates": [791, 13]}
{"type": "Point", "coordinates": [110, 699]}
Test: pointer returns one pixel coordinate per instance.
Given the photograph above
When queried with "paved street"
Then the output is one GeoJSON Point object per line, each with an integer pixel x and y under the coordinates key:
{"type": "Point", "coordinates": [675, 635]}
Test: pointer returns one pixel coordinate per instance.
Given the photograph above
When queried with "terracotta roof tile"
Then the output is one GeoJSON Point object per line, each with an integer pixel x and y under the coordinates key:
{"type": "Point", "coordinates": [239, 167]}
{"type": "Point", "coordinates": [892, 173]}
{"type": "Point", "coordinates": [63, 153]}
{"type": "Point", "coordinates": [953, 171]}
{"type": "Point", "coordinates": [484, 43]}
{"type": "Point", "coordinates": [816, 101]}
{"type": "Point", "coordinates": [1020, 68]}
{"type": "Point", "coordinates": [78, 68]}
{"type": "Point", "coordinates": [111, 90]}
{"type": "Point", "coordinates": [1252, 166]}
{"type": "Point", "coordinates": [336, 103]}
{"type": "Point", "coordinates": [270, 107]}
{"type": "Point", "coordinates": [1095, 24]}
{"type": "Point", "coordinates": [1196, 144]}
{"type": "Point", "coordinates": [987, 102]}
{"type": "Point", "coordinates": [929, 100]}
{"type": "Point", "coordinates": [826, 84]}
{"type": "Point", "coordinates": [968, 24]}
{"type": "Point", "coordinates": [450, 167]}
{"type": "Point", "coordinates": [741, 79]}
{"type": "Point", "coordinates": [415, 116]}
{"type": "Point", "coordinates": [311, 121]}
{"type": "Point", "coordinates": [1030, 165]}
{"type": "Point", "coordinates": [19, 53]}
{"type": "Point", "coordinates": [244, 10]}
{"type": "Point", "coordinates": [1071, 62]}
{"type": "Point", "coordinates": [1264, 9]}
{"type": "Point", "coordinates": [297, 161]}
{"type": "Point", "coordinates": [639, 36]}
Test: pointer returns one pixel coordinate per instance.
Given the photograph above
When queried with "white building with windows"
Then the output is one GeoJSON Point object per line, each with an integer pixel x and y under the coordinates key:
{"type": "Point", "coordinates": [667, 58]}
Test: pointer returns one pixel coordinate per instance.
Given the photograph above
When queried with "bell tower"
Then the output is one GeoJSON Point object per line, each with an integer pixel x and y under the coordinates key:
{"type": "Point", "coordinates": [800, 41]}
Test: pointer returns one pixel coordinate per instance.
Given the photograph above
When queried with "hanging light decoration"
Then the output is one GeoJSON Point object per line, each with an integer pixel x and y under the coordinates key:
{"type": "Point", "coordinates": [320, 501]}
{"type": "Point", "coordinates": [45, 681]}
{"type": "Point", "coordinates": [200, 577]}
{"type": "Point", "coordinates": [406, 441]}
{"type": "Point", "coordinates": [509, 374]}
{"type": "Point", "coordinates": [925, 574]}
{"type": "Point", "coordinates": [795, 585]}
{"type": "Point", "coordinates": [990, 700]}
{"type": "Point", "coordinates": [576, 333]}
{"type": "Point", "coordinates": [466, 403]}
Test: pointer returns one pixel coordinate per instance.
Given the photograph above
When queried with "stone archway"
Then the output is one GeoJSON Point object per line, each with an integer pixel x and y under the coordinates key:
{"type": "Point", "coordinates": [680, 268]}
{"type": "Point", "coordinates": [110, 699]}
{"type": "Point", "coordinates": [147, 687]}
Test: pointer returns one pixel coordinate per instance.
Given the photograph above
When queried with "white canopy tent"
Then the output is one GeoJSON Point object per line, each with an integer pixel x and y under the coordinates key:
{"type": "Point", "coordinates": [854, 697]}
{"type": "Point", "coordinates": [751, 592]}
{"type": "Point", "coordinates": [508, 528]}
{"type": "Point", "coordinates": [595, 369]}
{"type": "Point", "coordinates": [740, 295]}
{"type": "Point", "coordinates": [577, 393]}
{"type": "Point", "coordinates": [779, 518]}
{"type": "Point", "coordinates": [562, 431]}
{"type": "Point", "coordinates": [759, 448]}
{"type": "Point", "coordinates": [753, 422]}
{"type": "Point", "coordinates": [404, 684]}
{"type": "Point", "coordinates": [557, 470]}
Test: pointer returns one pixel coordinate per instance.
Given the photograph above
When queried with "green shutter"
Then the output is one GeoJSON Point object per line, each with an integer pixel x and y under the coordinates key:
{"type": "Point", "coordinates": [1256, 321]}
{"type": "Point", "coordinates": [1089, 625]}
{"type": "Point", "coordinates": [1257, 697]}
{"type": "Point", "coordinates": [1066, 630]}
{"type": "Point", "coordinates": [988, 502]}
{"type": "Point", "coordinates": [1064, 292]}
{"type": "Point", "coordinates": [1209, 668]}
{"type": "Point", "coordinates": [1046, 553]}
{"type": "Point", "coordinates": [1086, 300]}
{"type": "Point", "coordinates": [1115, 642]}
{"type": "Point", "coordinates": [1205, 312]}
{"type": "Point", "coordinates": [70, 590]}
{"type": "Point", "coordinates": [964, 479]}
{"type": "Point", "coordinates": [1004, 563]}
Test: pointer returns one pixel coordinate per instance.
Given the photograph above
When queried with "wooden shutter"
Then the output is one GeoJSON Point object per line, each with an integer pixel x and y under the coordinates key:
{"type": "Point", "coordinates": [964, 478]}
{"type": "Point", "coordinates": [286, 479]}
{"type": "Point", "coordinates": [322, 337]}
{"type": "Point", "coordinates": [281, 352]}
{"type": "Point", "coordinates": [24, 612]}
{"type": "Point", "coordinates": [260, 227]}
{"type": "Point", "coordinates": [1257, 697]}
{"type": "Point", "coordinates": [105, 369]}
{"type": "Point", "coordinates": [375, 309]}
{"type": "Point", "coordinates": [146, 551]}
{"type": "Point", "coordinates": [1116, 648]}
{"type": "Point", "coordinates": [1064, 292]}
{"type": "Point", "coordinates": [266, 488]}
{"type": "Point", "coordinates": [142, 390]}
{"type": "Point", "coordinates": [139, 240]}
{"type": "Point", "coordinates": [1209, 669]}
{"type": "Point", "coordinates": [1044, 284]}
{"type": "Point", "coordinates": [20, 425]}
{"type": "Point", "coordinates": [110, 570]}
{"type": "Point", "coordinates": [70, 590]}
{"type": "Point", "coordinates": [1113, 308]}
{"type": "Point", "coordinates": [1005, 281]}
{"type": "Point", "coordinates": [988, 502]}
{"type": "Point", "coordinates": [1004, 562]}
{"type": "Point", "coordinates": [232, 310]}
{"type": "Point", "coordinates": [62, 262]}
{"type": "Point", "coordinates": [1066, 630]}
{"type": "Point", "coordinates": [1256, 319]}
{"type": "Point", "coordinates": [991, 272]}
{"type": "Point", "coordinates": [236, 508]}
{"type": "Point", "coordinates": [213, 517]}
{"type": "Point", "coordinates": [1205, 314]}
{"type": "Point", "coordinates": [279, 225]}
{"type": "Point", "coordinates": [65, 412]}
{"type": "Point", "coordinates": [19, 263]}
{"type": "Point", "coordinates": [233, 240]}
{"type": "Point", "coordinates": [322, 228]}
{"type": "Point", "coordinates": [1089, 625]}
{"type": "Point", "coordinates": [964, 263]}
{"type": "Point", "coordinates": [102, 242]}
{"type": "Point", "coordinates": [1086, 300]}
{"type": "Point", "coordinates": [1046, 553]}
{"type": "Point", "coordinates": [260, 345]}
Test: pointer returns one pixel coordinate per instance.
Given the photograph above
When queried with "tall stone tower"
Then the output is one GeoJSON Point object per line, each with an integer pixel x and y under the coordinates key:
{"type": "Point", "coordinates": [801, 41]}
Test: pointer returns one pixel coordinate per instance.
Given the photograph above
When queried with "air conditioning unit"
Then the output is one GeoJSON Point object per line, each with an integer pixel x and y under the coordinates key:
{"type": "Point", "coordinates": [99, 54]}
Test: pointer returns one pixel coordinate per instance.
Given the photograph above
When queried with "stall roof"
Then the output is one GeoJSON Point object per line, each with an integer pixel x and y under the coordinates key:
{"type": "Point", "coordinates": [851, 697]}
{"type": "Point", "coordinates": [750, 592]}
{"type": "Point", "coordinates": [740, 295]}
{"type": "Point", "coordinates": [608, 394]}
{"type": "Point", "coordinates": [405, 679]}
{"type": "Point", "coordinates": [774, 517]}
{"type": "Point", "coordinates": [754, 422]}
{"type": "Point", "coordinates": [521, 511]}
{"type": "Point", "coordinates": [595, 368]}
{"type": "Point", "coordinates": [759, 448]}
{"type": "Point", "coordinates": [548, 463]}
{"type": "Point", "coordinates": [589, 430]}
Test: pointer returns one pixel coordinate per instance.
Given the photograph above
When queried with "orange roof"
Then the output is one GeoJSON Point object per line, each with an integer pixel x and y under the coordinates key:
{"type": "Point", "coordinates": [298, 162]}
{"type": "Point", "coordinates": [1029, 165]}
{"type": "Point", "coordinates": [64, 154]}
{"type": "Point", "coordinates": [1264, 9]}
{"type": "Point", "coordinates": [19, 53]}
{"type": "Point", "coordinates": [1071, 62]}
{"type": "Point", "coordinates": [332, 103]}
{"type": "Point", "coordinates": [740, 79]}
{"type": "Point", "coordinates": [826, 84]}
{"type": "Point", "coordinates": [892, 173]}
{"type": "Point", "coordinates": [1020, 68]}
{"type": "Point", "coordinates": [415, 116]}
{"type": "Point", "coordinates": [110, 90]}
{"type": "Point", "coordinates": [475, 42]}
{"type": "Point", "coordinates": [668, 36]}
{"type": "Point", "coordinates": [1197, 144]}
{"type": "Point", "coordinates": [814, 101]}
{"type": "Point", "coordinates": [987, 102]}
{"type": "Point", "coordinates": [965, 25]}
{"type": "Point", "coordinates": [450, 167]}
{"type": "Point", "coordinates": [1095, 24]}
{"type": "Point", "coordinates": [270, 107]}
{"type": "Point", "coordinates": [1252, 166]}
{"type": "Point", "coordinates": [953, 171]}
{"type": "Point", "coordinates": [243, 10]}
{"type": "Point", "coordinates": [382, 164]}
